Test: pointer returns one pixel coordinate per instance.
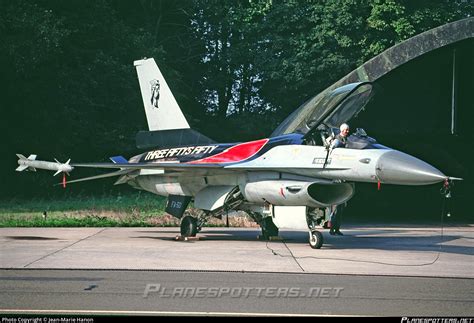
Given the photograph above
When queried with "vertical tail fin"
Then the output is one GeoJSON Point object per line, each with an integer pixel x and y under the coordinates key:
{"type": "Point", "coordinates": [162, 110]}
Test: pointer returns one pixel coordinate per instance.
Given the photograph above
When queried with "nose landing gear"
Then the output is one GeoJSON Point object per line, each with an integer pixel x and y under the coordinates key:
{"type": "Point", "coordinates": [316, 239]}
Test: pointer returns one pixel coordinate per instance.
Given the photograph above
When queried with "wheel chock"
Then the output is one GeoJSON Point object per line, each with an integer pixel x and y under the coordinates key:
{"type": "Point", "coordinates": [181, 238]}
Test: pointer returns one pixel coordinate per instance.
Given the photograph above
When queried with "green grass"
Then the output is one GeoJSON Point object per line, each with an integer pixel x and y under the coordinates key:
{"type": "Point", "coordinates": [145, 202]}
{"type": "Point", "coordinates": [134, 209]}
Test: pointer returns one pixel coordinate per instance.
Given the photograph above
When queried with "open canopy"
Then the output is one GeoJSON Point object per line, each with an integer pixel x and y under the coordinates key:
{"type": "Point", "coordinates": [329, 110]}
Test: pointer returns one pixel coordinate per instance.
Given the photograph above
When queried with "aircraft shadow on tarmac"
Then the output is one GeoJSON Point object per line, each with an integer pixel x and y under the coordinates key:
{"type": "Point", "coordinates": [388, 240]}
{"type": "Point", "coordinates": [353, 239]}
{"type": "Point", "coordinates": [33, 238]}
{"type": "Point", "coordinates": [431, 243]}
{"type": "Point", "coordinates": [241, 235]}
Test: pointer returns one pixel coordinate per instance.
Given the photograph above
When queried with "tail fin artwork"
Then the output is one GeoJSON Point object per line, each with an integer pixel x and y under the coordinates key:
{"type": "Point", "coordinates": [166, 123]}
{"type": "Point", "coordinates": [162, 110]}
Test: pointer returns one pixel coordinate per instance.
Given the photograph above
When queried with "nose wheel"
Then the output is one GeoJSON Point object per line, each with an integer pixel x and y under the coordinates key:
{"type": "Point", "coordinates": [316, 239]}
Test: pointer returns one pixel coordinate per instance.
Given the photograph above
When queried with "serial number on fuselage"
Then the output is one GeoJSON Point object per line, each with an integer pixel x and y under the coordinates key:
{"type": "Point", "coordinates": [182, 151]}
{"type": "Point", "coordinates": [322, 161]}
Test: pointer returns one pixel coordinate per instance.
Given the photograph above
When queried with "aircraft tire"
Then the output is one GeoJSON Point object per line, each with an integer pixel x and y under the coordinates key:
{"type": "Point", "coordinates": [188, 226]}
{"type": "Point", "coordinates": [316, 239]}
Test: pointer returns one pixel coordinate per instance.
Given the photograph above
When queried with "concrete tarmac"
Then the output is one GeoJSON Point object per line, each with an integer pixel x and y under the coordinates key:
{"type": "Point", "coordinates": [395, 250]}
{"type": "Point", "coordinates": [158, 293]}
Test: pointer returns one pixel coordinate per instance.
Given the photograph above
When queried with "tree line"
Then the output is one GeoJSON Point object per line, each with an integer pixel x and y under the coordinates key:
{"type": "Point", "coordinates": [237, 68]}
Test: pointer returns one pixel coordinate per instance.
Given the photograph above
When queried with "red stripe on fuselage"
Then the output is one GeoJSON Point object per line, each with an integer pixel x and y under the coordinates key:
{"type": "Point", "coordinates": [235, 153]}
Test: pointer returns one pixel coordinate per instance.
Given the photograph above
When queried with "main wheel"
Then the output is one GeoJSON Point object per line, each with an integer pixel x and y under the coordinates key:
{"type": "Point", "coordinates": [316, 239]}
{"type": "Point", "coordinates": [189, 226]}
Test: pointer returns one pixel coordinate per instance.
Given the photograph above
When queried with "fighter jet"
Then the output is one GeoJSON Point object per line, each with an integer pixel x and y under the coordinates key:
{"type": "Point", "coordinates": [287, 181]}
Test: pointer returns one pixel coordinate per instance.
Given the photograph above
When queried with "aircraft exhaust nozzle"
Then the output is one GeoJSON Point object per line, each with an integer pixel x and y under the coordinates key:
{"type": "Point", "coordinates": [395, 167]}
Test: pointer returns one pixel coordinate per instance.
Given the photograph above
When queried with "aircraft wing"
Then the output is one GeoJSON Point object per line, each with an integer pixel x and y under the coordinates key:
{"type": "Point", "coordinates": [130, 170]}
{"type": "Point", "coordinates": [183, 167]}
{"type": "Point", "coordinates": [165, 166]}
{"type": "Point", "coordinates": [135, 169]}
{"type": "Point", "coordinates": [117, 173]}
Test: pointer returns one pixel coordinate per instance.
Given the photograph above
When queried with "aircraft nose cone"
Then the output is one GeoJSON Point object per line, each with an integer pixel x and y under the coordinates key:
{"type": "Point", "coordinates": [395, 167]}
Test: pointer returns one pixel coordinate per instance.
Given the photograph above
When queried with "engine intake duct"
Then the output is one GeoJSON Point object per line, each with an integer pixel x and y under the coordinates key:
{"type": "Point", "coordinates": [293, 193]}
{"type": "Point", "coordinates": [331, 194]}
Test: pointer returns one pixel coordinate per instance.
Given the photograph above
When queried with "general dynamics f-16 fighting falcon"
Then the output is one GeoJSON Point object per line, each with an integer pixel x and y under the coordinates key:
{"type": "Point", "coordinates": [288, 181]}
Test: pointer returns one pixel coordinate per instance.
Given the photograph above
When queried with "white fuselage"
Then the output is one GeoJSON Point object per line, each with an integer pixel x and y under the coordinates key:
{"type": "Point", "coordinates": [286, 162]}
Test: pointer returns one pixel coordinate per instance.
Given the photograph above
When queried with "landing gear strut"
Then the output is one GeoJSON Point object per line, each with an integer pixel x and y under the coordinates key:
{"type": "Point", "coordinates": [269, 229]}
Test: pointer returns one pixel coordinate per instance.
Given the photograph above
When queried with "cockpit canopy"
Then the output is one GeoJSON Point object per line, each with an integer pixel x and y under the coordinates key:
{"type": "Point", "coordinates": [343, 104]}
{"type": "Point", "coordinates": [328, 110]}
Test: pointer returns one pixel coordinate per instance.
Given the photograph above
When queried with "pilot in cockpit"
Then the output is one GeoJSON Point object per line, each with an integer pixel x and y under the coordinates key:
{"type": "Point", "coordinates": [340, 140]}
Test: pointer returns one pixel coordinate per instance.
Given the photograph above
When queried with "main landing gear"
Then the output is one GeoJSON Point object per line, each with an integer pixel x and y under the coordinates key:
{"type": "Point", "coordinates": [192, 222]}
{"type": "Point", "coordinates": [189, 227]}
{"type": "Point", "coordinates": [269, 229]}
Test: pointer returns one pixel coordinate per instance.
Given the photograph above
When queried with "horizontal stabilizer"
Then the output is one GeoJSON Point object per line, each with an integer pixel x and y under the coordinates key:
{"type": "Point", "coordinates": [123, 179]}
{"type": "Point", "coordinates": [119, 160]}
{"type": "Point", "coordinates": [21, 168]}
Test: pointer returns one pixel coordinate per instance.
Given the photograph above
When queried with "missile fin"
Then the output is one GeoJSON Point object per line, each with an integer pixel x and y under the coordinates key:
{"type": "Point", "coordinates": [21, 168]}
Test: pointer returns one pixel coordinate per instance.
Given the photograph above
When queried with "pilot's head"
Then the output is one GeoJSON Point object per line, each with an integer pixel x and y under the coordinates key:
{"type": "Point", "coordinates": [344, 129]}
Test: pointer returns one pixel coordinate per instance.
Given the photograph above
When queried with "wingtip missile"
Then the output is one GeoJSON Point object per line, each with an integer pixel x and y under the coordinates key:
{"type": "Point", "coordinates": [31, 164]}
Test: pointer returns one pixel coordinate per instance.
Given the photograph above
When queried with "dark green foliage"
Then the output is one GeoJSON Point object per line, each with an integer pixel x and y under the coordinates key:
{"type": "Point", "coordinates": [68, 88]}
